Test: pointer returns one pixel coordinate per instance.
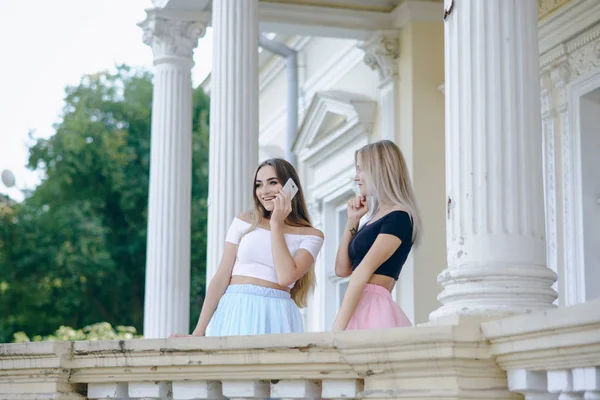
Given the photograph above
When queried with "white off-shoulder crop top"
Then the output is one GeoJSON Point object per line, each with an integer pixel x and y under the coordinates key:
{"type": "Point", "coordinates": [255, 258]}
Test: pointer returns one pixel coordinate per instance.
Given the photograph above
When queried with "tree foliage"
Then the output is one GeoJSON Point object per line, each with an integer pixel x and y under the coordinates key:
{"type": "Point", "coordinates": [73, 252]}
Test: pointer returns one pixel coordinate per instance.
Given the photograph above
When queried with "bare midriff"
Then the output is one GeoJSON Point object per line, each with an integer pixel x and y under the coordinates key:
{"type": "Point", "coordinates": [247, 280]}
{"type": "Point", "coordinates": [383, 281]}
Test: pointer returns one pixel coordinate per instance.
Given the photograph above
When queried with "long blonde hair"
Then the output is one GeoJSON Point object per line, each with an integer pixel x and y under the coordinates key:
{"type": "Point", "coordinates": [298, 217]}
{"type": "Point", "coordinates": [388, 181]}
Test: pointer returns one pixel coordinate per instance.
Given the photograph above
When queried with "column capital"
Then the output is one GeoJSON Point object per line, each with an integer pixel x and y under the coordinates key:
{"type": "Point", "coordinates": [381, 53]}
{"type": "Point", "coordinates": [170, 37]}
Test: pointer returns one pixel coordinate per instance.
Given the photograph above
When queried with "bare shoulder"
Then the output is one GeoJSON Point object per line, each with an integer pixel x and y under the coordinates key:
{"type": "Point", "coordinates": [313, 232]}
{"type": "Point", "coordinates": [398, 208]}
{"type": "Point", "coordinates": [246, 216]}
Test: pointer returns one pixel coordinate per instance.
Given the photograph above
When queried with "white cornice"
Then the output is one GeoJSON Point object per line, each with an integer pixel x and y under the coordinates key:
{"type": "Point", "coordinates": [564, 50]}
{"type": "Point", "coordinates": [567, 23]}
{"type": "Point", "coordinates": [321, 21]}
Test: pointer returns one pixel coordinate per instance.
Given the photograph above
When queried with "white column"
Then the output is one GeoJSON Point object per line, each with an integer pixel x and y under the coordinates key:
{"type": "Point", "coordinates": [166, 308]}
{"type": "Point", "coordinates": [233, 119]}
{"type": "Point", "coordinates": [381, 53]}
{"type": "Point", "coordinates": [495, 230]}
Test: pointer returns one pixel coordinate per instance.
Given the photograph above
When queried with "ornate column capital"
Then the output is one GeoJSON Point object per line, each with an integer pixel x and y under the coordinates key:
{"type": "Point", "coordinates": [381, 53]}
{"type": "Point", "coordinates": [169, 37]}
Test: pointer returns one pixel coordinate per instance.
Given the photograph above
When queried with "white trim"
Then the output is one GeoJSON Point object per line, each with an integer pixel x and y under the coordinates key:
{"type": "Point", "coordinates": [357, 115]}
{"type": "Point", "coordinates": [571, 19]}
{"type": "Point", "coordinates": [321, 21]}
{"type": "Point", "coordinates": [549, 167]}
{"type": "Point", "coordinates": [572, 187]}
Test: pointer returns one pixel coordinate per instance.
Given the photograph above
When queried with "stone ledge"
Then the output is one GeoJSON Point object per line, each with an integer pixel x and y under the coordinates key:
{"type": "Point", "coordinates": [550, 340]}
{"type": "Point", "coordinates": [441, 362]}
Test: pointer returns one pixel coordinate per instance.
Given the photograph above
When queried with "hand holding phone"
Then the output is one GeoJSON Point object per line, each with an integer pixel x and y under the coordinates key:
{"type": "Point", "coordinates": [290, 188]}
{"type": "Point", "coordinates": [282, 204]}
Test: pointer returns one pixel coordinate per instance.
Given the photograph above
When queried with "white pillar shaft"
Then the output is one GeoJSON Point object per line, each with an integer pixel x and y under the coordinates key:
{"type": "Point", "coordinates": [166, 308]}
{"type": "Point", "coordinates": [233, 119]}
{"type": "Point", "coordinates": [495, 230]}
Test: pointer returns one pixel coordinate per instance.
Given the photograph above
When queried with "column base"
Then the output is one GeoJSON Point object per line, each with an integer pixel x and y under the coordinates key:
{"type": "Point", "coordinates": [493, 291]}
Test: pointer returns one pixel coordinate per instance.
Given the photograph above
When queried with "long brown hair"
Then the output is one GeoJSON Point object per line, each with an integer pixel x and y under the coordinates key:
{"type": "Point", "coordinates": [298, 217]}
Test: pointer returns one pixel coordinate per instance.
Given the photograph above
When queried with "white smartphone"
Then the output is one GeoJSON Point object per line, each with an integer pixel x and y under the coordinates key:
{"type": "Point", "coordinates": [290, 188]}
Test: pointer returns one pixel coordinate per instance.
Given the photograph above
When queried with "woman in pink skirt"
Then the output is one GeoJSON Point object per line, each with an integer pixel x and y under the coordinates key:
{"type": "Point", "coordinates": [374, 253]}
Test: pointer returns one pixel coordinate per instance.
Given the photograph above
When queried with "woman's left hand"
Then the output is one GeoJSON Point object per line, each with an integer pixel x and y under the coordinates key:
{"type": "Point", "coordinates": [282, 207]}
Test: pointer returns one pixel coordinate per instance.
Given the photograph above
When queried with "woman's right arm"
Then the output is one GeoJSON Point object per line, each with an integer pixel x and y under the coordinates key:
{"type": "Point", "coordinates": [216, 288]}
{"type": "Point", "coordinates": [357, 207]}
{"type": "Point", "coordinates": [343, 264]}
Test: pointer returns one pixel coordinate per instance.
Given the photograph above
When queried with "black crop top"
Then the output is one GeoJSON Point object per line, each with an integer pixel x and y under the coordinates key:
{"type": "Point", "coordinates": [397, 223]}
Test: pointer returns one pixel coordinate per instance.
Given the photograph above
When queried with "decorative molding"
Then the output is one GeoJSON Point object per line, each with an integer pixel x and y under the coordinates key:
{"type": "Point", "coordinates": [566, 69]}
{"type": "Point", "coordinates": [572, 19]}
{"type": "Point", "coordinates": [572, 187]}
{"type": "Point", "coordinates": [584, 55]}
{"type": "Point", "coordinates": [560, 75]}
{"type": "Point", "coordinates": [332, 119]}
{"type": "Point", "coordinates": [171, 38]}
{"type": "Point", "coordinates": [381, 54]}
{"type": "Point", "coordinates": [549, 155]}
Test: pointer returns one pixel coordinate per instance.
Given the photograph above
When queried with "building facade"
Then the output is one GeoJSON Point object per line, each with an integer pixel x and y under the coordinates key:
{"type": "Point", "coordinates": [495, 105]}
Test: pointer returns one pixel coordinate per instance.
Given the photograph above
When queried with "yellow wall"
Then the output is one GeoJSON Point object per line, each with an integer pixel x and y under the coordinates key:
{"type": "Point", "coordinates": [422, 139]}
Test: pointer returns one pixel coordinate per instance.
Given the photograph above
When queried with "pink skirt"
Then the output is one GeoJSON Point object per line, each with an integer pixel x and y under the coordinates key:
{"type": "Point", "coordinates": [377, 310]}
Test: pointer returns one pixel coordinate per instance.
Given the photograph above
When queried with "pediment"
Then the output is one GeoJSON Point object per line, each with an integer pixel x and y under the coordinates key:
{"type": "Point", "coordinates": [330, 115]}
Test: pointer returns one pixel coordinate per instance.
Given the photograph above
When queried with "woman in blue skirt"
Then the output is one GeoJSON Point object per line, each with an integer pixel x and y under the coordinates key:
{"type": "Point", "coordinates": [267, 268]}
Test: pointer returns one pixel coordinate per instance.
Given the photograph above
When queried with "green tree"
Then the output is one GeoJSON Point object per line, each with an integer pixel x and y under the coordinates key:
{"type": "Point", "coordinates": [73, 252]}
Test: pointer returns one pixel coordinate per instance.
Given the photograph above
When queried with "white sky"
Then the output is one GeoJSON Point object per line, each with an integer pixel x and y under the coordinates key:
{"type": "Point", "coordinates": [47, 45]}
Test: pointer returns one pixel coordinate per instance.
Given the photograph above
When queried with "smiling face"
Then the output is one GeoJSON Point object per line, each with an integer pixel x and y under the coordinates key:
{"type": "Point", "coordinates": [267, 186]}
{"type": "Point", "coordinates": [359, 178]}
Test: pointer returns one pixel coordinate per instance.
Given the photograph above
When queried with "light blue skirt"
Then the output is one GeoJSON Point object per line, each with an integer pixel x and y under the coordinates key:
{"type": "Point", "coordinates": [255, 310]}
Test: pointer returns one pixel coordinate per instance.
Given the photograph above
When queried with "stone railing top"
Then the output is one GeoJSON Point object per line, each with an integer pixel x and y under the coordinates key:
{"type": "Point", "coordinates": [385, 360]}
{"type": "Point", "coordinates": [463, 358]}
{"type": "Point", "coordinates": [555, 339]}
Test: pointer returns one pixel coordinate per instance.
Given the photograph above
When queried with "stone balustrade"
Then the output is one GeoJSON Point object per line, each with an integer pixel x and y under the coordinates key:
{"type": "Point", "coordinates": [552, 354]}
{"type": "Point", "coordinates": [421, 362]}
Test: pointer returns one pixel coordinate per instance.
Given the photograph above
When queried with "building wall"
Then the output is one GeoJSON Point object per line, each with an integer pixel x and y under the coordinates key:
{"type": "Point", "coordinates": [570, 61]}
{"type": "Point", "coordinates": [421, 138]}
{"type": "Point", "coordinates": [336, 65]}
